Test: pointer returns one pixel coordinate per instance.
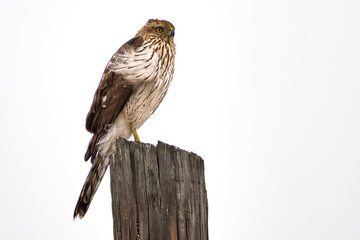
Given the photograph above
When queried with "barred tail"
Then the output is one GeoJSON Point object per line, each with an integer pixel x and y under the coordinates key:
{"type": "Point", "coordinates": [91, 184]}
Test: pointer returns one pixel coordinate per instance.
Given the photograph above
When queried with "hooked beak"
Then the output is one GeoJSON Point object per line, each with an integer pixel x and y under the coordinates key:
{"type": "Point", "coordinates": [171, 33]}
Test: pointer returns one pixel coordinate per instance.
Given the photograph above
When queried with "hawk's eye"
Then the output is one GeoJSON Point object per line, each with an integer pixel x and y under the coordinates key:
{"type": "Point", "coordinates": [159, 29]}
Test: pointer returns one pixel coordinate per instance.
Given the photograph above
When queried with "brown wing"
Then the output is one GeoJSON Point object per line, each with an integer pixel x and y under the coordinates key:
{"type": "Point", "coordinates": [109, 99]}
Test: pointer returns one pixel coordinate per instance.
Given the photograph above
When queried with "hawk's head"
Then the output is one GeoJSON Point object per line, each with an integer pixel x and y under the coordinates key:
{"type": "Point", "coordinates": [158, 29]}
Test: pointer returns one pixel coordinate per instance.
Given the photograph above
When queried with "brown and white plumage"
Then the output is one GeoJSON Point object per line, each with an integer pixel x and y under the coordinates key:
{"type": "Point", "coordinates": [134, 83]}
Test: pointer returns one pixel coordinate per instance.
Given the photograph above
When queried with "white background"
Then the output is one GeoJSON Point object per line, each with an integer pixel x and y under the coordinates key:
{"type": "Point", "coordinates": [267, 92]}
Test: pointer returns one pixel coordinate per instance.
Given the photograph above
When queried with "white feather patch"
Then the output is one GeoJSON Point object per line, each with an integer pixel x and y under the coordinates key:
{"type": "Point", "coordinates": [136, 66]}
{"type": "Point", "coordinates": [120, 128]}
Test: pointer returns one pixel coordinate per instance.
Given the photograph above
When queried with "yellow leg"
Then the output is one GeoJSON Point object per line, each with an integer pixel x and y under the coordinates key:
{"type": "Point", "coordinates": [133, 130]}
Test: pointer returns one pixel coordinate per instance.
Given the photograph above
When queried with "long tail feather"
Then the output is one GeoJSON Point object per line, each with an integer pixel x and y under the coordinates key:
{"type": "Point", "coordinates": [91, 184]}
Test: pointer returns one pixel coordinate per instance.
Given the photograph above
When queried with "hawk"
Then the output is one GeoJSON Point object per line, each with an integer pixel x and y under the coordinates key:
{"type": "Point", "coordinates": [132, 86]}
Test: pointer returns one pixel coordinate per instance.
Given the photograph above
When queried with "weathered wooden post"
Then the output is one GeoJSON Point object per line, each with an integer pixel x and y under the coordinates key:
{"type": "Point", "coordinates": [158, 192]}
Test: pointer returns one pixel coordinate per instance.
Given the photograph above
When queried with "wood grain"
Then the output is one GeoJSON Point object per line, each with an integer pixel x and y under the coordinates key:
{"type": "Point", "coordinates": [158, 192]}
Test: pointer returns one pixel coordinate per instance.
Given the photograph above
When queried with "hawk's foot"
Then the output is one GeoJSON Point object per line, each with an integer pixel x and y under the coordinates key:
{"type": "Point", "coordinates": [133, 130]}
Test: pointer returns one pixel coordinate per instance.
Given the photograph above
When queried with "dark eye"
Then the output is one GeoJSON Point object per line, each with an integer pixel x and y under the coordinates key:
{"type": "Point", "coordinates": [159, 29]}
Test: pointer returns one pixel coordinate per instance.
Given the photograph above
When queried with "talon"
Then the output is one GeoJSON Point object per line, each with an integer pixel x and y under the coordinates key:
{"type": "Point", "coordinates": [133, 130]}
